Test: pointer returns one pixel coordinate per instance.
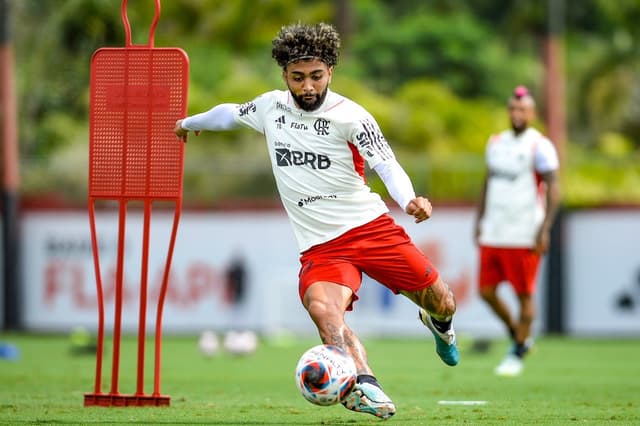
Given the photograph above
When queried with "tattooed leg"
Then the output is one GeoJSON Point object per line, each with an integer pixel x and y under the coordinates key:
{"type": "Point", "coordinates": [437, 299]}
{"type": "Point", "coordinates": [326, 303]}
{"type": "Point", "coordinates": [343, 337]}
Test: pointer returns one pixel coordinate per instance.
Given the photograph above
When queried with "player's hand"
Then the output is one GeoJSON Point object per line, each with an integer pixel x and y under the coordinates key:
{"type": "Point", "coordinates": [420, 208]}
{"type": "Point", "coordinates": [477, 232]}
{"type": "Point", "coordinates": [182, 133]}
{"type": "Point", "coordinates": [542, 242]}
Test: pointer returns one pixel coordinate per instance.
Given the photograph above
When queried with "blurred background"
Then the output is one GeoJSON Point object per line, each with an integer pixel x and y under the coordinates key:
{"type": "Point", "coordinates": [436, 75]}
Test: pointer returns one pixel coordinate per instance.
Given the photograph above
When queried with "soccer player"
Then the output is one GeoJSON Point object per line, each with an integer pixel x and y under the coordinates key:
{"type": "Point", "coordinates": [319, 142]}
{"type": "Point", "coordinates": [516, 210]}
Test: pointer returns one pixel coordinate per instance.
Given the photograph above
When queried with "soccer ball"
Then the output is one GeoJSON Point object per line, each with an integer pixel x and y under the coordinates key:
{"type": "Point", "coordinates": [325, 375]}
{"type": "Point", "coordinates": [240, 342]}
{"type": "Point", "coordinates": [208, 343]}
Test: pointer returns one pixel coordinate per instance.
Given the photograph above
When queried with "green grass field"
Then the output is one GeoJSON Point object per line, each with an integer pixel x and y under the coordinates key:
{"type": "Point", "coordinates": [566, 382]}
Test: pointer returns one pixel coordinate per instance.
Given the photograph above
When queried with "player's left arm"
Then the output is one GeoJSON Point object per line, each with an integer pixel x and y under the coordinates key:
{"type": "Point", "coordinates": [552, 202]}
{"type": "Point", "coordinates": [547, 164]}
{"type": "Point", "coordinates": [401, 189]}
{"type": "Point", "coordinates": [372, 145]}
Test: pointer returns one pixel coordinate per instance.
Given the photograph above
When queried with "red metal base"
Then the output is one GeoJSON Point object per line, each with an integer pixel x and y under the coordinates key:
{"type": "Point", "coordinates": [117, 400]}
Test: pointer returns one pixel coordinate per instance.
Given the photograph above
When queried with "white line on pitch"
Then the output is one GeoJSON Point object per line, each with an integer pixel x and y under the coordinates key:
{"type": "Point", "coordinates": [462, 402]}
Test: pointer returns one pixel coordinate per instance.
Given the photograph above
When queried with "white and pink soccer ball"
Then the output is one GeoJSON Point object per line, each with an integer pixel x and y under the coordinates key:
{"type": "Point", "coordinates": [233, 342]}
{"type": "Point", "coordinates": [325, 375]}
{"type": "Point", "coordinates": [208, 343]}
{"type": "Point", "coordinates": [240, 343]}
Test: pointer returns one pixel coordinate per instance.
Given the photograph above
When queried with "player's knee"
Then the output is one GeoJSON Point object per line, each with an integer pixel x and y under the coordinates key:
{"type": "Point", "coordinates": [527, 309]}
{"type": "Point", "coordinates": [316, 309]}
{"type": "Point", "coordinates": [321, 310]}
{"type": "Point", "coordinates": [527, 316]}
{"type": "Point", "coordinates": [328, 318]}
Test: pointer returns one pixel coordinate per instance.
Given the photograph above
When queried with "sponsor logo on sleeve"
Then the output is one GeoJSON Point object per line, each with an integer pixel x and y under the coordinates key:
{"type": "Point", "coordinates": [246, 108]}
{"type": "Point", "coordinates": [372, 140]}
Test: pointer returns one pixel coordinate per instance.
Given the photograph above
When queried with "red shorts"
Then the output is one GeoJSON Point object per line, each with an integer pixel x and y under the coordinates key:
{"type": "Point", "coordinates": [380, 248]}
{"type": "Point", "coordinates": [519, 266]}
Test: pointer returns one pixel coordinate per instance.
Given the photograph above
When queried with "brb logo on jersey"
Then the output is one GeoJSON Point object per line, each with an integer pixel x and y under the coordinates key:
{"type": "Point", "coordinates": [287, 157]}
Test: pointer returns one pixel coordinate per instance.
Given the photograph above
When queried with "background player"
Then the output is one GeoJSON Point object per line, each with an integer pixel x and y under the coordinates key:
{"type": "Point", "coordinates": [515, 213]}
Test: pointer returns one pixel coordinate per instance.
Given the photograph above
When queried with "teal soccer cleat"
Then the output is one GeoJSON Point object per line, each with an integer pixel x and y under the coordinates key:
{"type": "Point", "coordinates": [369, 398]}
{"type": "Point", "coordinates": [445, 342]}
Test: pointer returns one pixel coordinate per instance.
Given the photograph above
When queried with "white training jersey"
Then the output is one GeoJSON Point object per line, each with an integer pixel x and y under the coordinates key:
{"type": "Point", "coordinates": [514, 203]}
{"type": "Point", "coordinates": [318, 160]}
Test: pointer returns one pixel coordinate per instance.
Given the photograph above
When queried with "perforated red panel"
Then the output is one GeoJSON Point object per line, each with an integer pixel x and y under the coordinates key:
{"type": "Point", "coordinates": [137, 94]}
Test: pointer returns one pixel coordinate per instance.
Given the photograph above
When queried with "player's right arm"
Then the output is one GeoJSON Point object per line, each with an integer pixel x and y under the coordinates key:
{"type": "Point", "coordinates": [401, 190]}
{"type": "Point", "coordinates": [480, 209]}
{"type": "Point", "coordinates": [220, 117]}
{"type": "Point", "coordinates": [482, 201]}
{"type": "Point", "coordinates": [547, 164]}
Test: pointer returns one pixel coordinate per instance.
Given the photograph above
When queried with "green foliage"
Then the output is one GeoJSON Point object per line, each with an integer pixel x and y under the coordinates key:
{"type": "Point", "coordinates": [609, 174]}
{"type": "Point", "coordinates": [434, 74]}
{"type": "Point", "coordinates": [55, 41]}
{"type": "Point", "coordinates": [451, 46]}
{"type": "Point", "coordinates": [443, 123]}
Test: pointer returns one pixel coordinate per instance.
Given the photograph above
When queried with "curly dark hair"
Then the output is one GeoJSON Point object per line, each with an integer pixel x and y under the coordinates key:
{"type": "Point", "coordinates": [303, 41]}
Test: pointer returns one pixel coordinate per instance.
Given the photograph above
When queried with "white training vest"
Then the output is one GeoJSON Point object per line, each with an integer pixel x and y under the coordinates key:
{"type": "Point", "coordinates": [514, 204]}
{"type": "Point", "coordinates": [318, 161]}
